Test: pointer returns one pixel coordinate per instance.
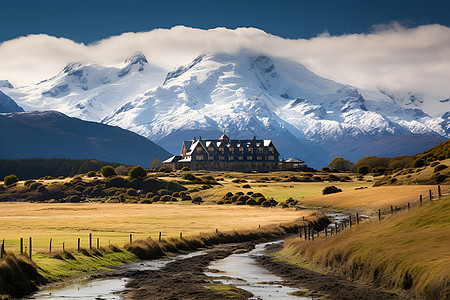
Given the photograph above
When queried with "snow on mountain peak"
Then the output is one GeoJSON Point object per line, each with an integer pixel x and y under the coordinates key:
{"type": "Point", "coordinates": [6, 84]}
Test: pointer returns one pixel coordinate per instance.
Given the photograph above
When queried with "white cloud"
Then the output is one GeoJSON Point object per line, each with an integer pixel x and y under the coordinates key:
{"type": "Point", "coordinates": [391, 56]}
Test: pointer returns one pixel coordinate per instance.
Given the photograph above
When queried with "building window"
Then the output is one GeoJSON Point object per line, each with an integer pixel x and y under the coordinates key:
{"type": "Point", "coordinates": [210, 149]}
{"type": "Point", "coordinates": [271, 149]}
{"type": "Point", "coordinates": [231, 150]}
{"type": "Point", "coordinates": [249, 157]}
{"type": "Point", "coordinates": [259, 158]}
{"type": "Point", "coordinates": [250, 150]}
{"type": "Point", "coordinates": [198, 150]}
{"type": "Point", "coordinates": [230, 157]}
{"type": "Point", "coordinates": [199, 157]}
{"type": "Point", "coordinates": [241, 158]}
{"type": "Point", "coordinates": [221, 157]}
{"type": "Point", "coordinates": [271, 157]}
{"type": "Point", "coordinates": [221, 149]}
{"type": "Point", "coordinates": [241, 149]}
{"type": "Point", "coordinates": [260, 150]}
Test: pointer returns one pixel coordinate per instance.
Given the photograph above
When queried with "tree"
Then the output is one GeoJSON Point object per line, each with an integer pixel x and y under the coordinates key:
{"type": "Point", "coordinates": [107, 171]}
{"type": "Point", "coordinates": [418, 163]}
{"type": "Point", "coordinates": [10, 179]}
{"type": "Point", "coordinates": [340, 164]}
{"type": "Point", "coordinates": [363, 170]}
{"type": "Point", "coordinates": [137, 172]}
{"type": "Point", "coordinates": [156, 163]}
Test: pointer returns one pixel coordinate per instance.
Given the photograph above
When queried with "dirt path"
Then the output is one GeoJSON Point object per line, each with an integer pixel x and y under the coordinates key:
{"type": "Point", "coordinates": [182, 279]}
{"type": "Point", "coordinates": [185, 279]}
{"type": "Point", "coordinates": [333, 286]}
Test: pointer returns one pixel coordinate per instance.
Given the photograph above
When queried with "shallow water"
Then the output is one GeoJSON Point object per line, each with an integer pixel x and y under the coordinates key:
{"type": "Point", "coordinates": [242, 271]}
{"type": "Point", "coordinates": [106, 288]}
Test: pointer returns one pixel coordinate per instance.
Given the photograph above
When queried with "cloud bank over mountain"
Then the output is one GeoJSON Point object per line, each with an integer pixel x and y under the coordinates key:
{"type": "Point", "coordinates": [391, 56]}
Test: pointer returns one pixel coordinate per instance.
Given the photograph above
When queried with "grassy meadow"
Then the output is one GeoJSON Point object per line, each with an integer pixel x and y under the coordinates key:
{"type": "Point", "coordinates": [112, 223]}
{"type": "Point", "coordinates": [408, 252]}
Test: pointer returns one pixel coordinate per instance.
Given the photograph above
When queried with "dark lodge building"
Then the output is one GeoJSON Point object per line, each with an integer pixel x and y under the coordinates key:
{"type": "Point", "coordinates": [226, 154]}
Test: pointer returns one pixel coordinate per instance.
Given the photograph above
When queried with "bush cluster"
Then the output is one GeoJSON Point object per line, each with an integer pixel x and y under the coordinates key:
{"type": "Point", "coordinates": [250, 198]}
{"type": "Point", "coordinates": [107, 171]}
{"type": "Point", "coordinates": [10, 179]}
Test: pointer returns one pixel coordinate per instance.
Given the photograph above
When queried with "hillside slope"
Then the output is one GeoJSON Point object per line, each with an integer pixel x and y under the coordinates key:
{"type": "Point", "coordinates": [54, 135]}
{"type": "Point", "coordinates": [408, 252]}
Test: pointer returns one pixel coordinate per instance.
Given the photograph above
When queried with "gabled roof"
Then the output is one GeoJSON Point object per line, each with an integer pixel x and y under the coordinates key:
{"type": "Point", "coordinates": [294, 160]}
{"type": "Point", "coordinates": [173, 159]}
{"type": "Point", "coordinates": [224, 137]}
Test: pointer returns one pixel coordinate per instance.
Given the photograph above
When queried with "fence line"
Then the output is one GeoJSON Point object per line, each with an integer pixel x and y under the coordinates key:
{"type": "Point", "coordinates": [393, 210]}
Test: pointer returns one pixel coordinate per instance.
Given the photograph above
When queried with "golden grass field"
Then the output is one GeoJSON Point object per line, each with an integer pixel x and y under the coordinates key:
{"type": "Point", "coordinates": [371, 199]}
{"type": "Point", "coordinates": [410, 250]}
{"type": "Point", "coordinates": [112, 223]}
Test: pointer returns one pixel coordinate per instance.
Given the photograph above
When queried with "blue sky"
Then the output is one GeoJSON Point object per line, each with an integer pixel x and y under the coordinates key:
{"type": "Point", "coordinates": [88, 21]}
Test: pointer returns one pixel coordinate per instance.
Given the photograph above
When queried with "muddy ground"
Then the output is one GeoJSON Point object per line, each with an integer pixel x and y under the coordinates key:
{"type": "Point", "coordinates": [185, 279]}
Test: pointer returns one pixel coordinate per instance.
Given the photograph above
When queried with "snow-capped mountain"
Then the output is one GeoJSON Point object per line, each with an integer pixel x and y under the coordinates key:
{"type": "Point", "coordinates": [244, 95]}
{"type": "Point", "coordinates": [90, 91]}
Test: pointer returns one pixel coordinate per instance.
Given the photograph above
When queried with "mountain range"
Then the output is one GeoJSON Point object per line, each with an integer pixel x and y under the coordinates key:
{"type": "Point", "coordinates": [243, 95]}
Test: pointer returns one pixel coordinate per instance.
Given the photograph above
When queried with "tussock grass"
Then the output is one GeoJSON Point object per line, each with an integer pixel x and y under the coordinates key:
{"type": "Point", "coordinates": [150, 249]}
{"type": "Point", "coordinates": [409, 252]}
{"type": "Point", "coordinates": [18, 276]}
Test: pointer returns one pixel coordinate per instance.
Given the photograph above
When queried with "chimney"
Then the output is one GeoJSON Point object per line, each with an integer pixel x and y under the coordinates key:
{"type": "Point", "coordinates": [199, 138]}
{"type": "Point", "coordinates": [254, 137]}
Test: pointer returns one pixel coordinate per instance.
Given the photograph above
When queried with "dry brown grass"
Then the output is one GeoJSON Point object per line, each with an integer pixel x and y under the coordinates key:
{"type": "Point", "coordinates": [65, 222]}
{"type": "Point", "coordinates": [409, 251]}
{"type": "Point", "coordinates": [371, 199]}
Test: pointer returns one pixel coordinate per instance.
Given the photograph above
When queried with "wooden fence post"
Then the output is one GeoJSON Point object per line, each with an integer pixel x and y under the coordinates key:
{"type": "Point", "coordinates": [78, 244]}
{"type": "Point", "coordinates": [350, 221]}
{"type": "Point", "coordinates": [131, 238]}
{"type": "Point", "coordinates": [306, 234]}
{"type": "Point", "coordinates": [98, 243]}
{"type": "Point", "coordinates": [300, 233]}
{"type": "Point", "coordinates": [420, 200]}
{"type": "Point", "coordinates": [336, 228]}
{"type": "Point", "coordinates": [31, 247]}
{"type": "Point", "coordinates": [430, 194]}
{"type": "Point", "coordinates": [64, 248]}
{"type": "Point", "coordinates": [326, 234]}
{"type": "Point", "coordinates": [357, 218]}
{"type": "Point", "coordinates": [392, 209]}
{"type": "Point", "coordinates": [181, 235]}
{"type": "Point", "coordinates": [312, 234]}
{"type": "Point", "coordinates": [217, 230]}
{"type": "Point", "coordinates": [50, 248]}
{"type": "Point", "coordinates": [160, 236]}
{"type": "Point", "coordinates": [439, 191]}
{"type": "Point", "coordinates": [409, 206]}
{"type": "Point", "coordinates": [90, 240]}
{"type": "Point", "coordinates": [21, 245]}
{"type": "Point", "coordinates": [379, 214]}
{"type": "Point", "coordinates": [2, 250]}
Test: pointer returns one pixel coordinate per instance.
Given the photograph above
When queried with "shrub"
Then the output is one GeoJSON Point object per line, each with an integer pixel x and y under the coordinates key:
{"type": "Point", "coordinates": [236, 180]}
{"type": "Point", "coordinates": [163, 192]}
{"type": "Point", "coordinates": [107, 171]}
{"type": "Point", "coordinates": [243, 198]}
{"type": "Point", "coordinates": [440, 178]}
{"type": "Point", "coordinates": [74, 199]}
{"type": "Point", "coordinates": [440, 168]}
{"type": "Point", "coordinates": [326, 169]}
{"type": "Point", "coordinates": [91, 174]}
{"type": "Point", "coordinates": [418, 163]}
{"type": "Point", "coordinates": [229, 194]}
{"type": "Point", "coordinates": [363, 170]}
{"type": "Point", "coordinates": [10, 179]}
{"type": "Point", "coordinates": [220, 202]}
{"type": "Point", "coordinates": [197, 200]}
{"type": "Point", "coordinates": [240, 193]}
{"type": "Point", "coordinates": [189, 176]}
{"type": "Point", "coordinates": [330, 190]}
{"type": "Point", "coordinates": [257, 195]}
{"type": "Point", "coordinates": [246, 186]}
{"type": "Point", "coordinates": [136, 172]}
{"type": "Point", "coordinates": [185, 169]}
{"type": "Point", "coordinates": [251, 202]}
{"type": "Point", "coordinates": [434, 164]}
{"type": "Point", "coordinates": [340, 164]}
{"type": "Point", "coordinates": [249, 193]}
{"type": "Point", "coordinates": [266, 203]}
{"type": "Point", "coordinates": [132, 192]}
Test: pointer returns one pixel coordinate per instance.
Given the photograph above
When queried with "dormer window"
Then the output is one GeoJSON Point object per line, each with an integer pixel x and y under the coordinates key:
{"type": "Point", "coordinates": [250, 150]}
{"type": "Point", "coordinates": [260, 150]}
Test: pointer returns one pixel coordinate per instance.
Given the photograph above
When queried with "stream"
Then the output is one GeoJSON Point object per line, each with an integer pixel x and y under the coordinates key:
{"type": "Point", "coordinates": [239, 270]}
{"type": "Point", "coordinates": [242, 271]}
